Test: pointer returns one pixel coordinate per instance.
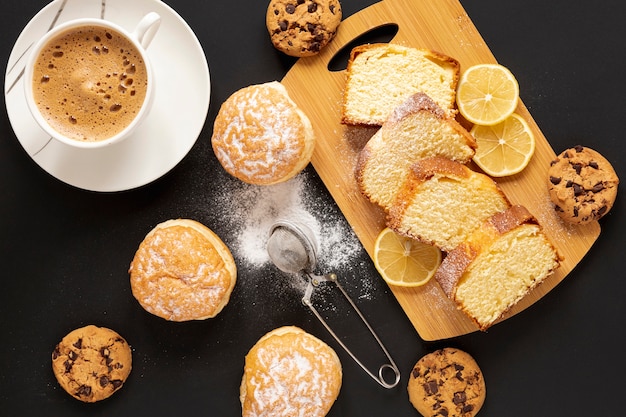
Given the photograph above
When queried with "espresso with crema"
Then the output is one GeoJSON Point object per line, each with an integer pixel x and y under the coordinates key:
{"type": "Point", "coordinates": [89, 83]}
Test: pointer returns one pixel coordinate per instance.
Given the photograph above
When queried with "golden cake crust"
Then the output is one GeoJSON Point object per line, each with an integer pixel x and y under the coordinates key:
{"type": "Point", "coordinates": [442, 201]}
{"type": "Point", "coordinates": [416, 129]}
{"type": "Point", "coordinates": [182, 271]}
{"type": "Point", "coordinates": [289, 372]}
{"type": "Point", "coordinates": [400, 80]}
{"type": "Point", "coordinates": [458, 261]}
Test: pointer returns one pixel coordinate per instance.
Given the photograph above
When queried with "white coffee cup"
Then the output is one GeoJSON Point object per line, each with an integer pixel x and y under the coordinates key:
{"type": "Point", "coordinates": [140, 38]}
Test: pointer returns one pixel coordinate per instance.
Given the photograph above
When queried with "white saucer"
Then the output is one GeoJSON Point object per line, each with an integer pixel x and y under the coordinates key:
{"type": "Point", "coordinates": [181, 101]}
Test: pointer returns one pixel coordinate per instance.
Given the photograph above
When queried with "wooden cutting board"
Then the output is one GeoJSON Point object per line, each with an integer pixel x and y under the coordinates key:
{"type": "Point", "coordinates": [444, 26]}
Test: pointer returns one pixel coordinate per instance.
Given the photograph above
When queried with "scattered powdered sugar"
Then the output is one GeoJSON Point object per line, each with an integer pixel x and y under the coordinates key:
{"type": "Point", "coordinates": [250, 211]}
{"type": "Point", "coordinates": [254, 209]}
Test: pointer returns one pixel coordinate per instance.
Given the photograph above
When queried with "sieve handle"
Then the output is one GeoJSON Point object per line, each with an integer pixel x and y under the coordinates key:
{"type": "Point", "coordinates": [314, 281]}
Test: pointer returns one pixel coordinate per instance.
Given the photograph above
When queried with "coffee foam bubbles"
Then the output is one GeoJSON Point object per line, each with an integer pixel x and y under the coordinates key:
{"type": "Point", "coordinates": [89, 83]}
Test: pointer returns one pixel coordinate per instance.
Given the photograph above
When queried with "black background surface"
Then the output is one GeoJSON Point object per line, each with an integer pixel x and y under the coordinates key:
{"type": "Point", "coordinates": [65, 252]}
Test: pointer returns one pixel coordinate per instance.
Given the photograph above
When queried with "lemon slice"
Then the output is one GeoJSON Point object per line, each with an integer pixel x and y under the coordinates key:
{"type": "Point", "coordinates": [487, 94]}
{"type": "Point", "coordinates": [403, 261]}
{"type": "Point", "coordinates": [504, 149]}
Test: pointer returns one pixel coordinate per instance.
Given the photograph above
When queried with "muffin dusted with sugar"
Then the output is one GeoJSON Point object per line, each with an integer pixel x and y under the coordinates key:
{"type": "Point", "coordinates": [290, 372]}
{"type": "Point", "coordinates": [182, 271]}
{"type": "Point", "coordinates": [261, 136]}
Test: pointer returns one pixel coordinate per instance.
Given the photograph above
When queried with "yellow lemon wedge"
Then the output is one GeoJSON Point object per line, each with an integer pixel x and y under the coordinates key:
{"type": "Point", "coordinates": [403, 261]}
{"type": "Point", "coordinates": [487, 94]}
{"type": "Point", "coordinates": [504, 149]}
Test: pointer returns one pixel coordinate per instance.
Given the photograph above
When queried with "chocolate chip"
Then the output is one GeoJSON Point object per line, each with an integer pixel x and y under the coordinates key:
{"type": "Point", "coordinates": [78, 344]}
{"type": "Point", "coordinates": [566, 155]}
{"type": "Point", "coordinates": [598, 187]}
{"type": "Point", "coordinates": [105, 352]}
{"type": "Point", "coordinates": [68, 366]}
{"type": "Point", "coordinates": [459, 375]}
{"type": "Point", "coordinates": [72, 355]}
{"type": "Point", "coordinates": [84, 390]}
{"type": "Point", "coordinates": [602, 210]}
{"type": "Point", "coordinates": [104, 381]}
{"type": "Point", "coordinates": [283, 25]}
{"type": "Point", "coordinates": [431, 387]}
{"type": "Point", "coordinates": [116, 383]}
{"type": "Point", "coordinates": [468, 408]}
{"type": "Point", "coordinates": [577, 167]}
{"type": "Point", "coordinates": [575, 210]}
{"type": "Point", "coordinates": [315, 47]}
{"type": "Point", "coordinates": [56, 353]}
{"type": "Point", "coordinates": [290, 8]}
{"type": "Point", "coordinates": [459, 397]}
{"type": "Point", "coordinates": [312, 7]}
{"type": "Point", "coordinates": [443, 412]}
{"type": "Point", "coordinates": [332, 8]}
{"type": "Point", "coordinates": [558, 208]}
{"type": "Point", "coordinates": [578, 190]}
{"type": "Point", "coordinates": [415, 373]}
{"type": "Point", "coordinates": [555, 180]}
{"type": "Point", "coordinates": [594, 165]}
{"type": "Point", "coordinates": [578, 148]}
{"type": "Point", "coordinates": [300, 2]}
{"type": "Point", "coordinates": [276, 12]}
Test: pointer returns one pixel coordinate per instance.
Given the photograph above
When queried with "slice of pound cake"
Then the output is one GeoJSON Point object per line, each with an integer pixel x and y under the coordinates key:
{"type": "Point", "coordinates": [416, 129]}
{"type": "Point", "coordinates": [381, 76]}
{"type": "Point", "coordinates": [498, 264]}
{"type": "Point", "coordinates": [443, 201]}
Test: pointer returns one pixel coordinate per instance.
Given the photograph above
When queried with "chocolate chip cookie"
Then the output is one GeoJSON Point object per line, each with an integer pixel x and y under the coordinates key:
{"type": "Point", "coordinates": [302, 27]}
{"type": "Point", "coordinates": [447, 382]}
{"type": "Point", "coordinates": [91, 363]}
{"type": "Point", "coordinates": [582, 185]}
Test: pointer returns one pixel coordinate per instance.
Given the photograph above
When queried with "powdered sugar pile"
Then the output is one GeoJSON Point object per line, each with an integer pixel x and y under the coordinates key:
{"type": "Point", "coordinates": [251, 211]}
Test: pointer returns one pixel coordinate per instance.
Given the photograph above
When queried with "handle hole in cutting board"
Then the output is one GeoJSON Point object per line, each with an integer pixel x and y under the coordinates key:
{"type": "Point", "coordinates": [380, 34]}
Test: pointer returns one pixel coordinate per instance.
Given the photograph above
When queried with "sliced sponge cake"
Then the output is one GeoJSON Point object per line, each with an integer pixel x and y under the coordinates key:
{"type": "Point", "coordinates": [443, 201]}
{"type": "Point", "coordinates": [497, 265]}
{"type": "Point", "coordinates": [416, 129]}
{"type": "Point", "coordinates": [380, 76]}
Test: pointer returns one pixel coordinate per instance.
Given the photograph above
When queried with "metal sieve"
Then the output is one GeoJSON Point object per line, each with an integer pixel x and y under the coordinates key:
{"type": "Point", "coordinates": [292, 247]}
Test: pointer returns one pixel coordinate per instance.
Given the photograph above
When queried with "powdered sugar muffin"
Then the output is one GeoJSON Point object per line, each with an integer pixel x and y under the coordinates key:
{"type": "Point", "coordinates": [261, 136]}
{"type": "Point", "coordinates": [290, 372]}
{"type": "Point", "coordinates": [182, 271]}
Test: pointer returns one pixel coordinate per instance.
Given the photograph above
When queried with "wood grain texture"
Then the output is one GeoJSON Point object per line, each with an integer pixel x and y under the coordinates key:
{"type": "Point", "coordinates": [444, 26]}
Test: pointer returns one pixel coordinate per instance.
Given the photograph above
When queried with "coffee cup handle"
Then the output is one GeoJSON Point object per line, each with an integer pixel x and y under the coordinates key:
{"type": "Point", "coordinates": [147, 28]}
